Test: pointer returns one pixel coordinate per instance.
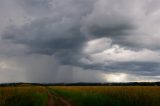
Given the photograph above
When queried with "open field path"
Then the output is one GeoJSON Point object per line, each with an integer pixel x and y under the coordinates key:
{"type": "Point", "coordinates": [56, 100]}
{"type": "Point", "coordinates": [50, 100]}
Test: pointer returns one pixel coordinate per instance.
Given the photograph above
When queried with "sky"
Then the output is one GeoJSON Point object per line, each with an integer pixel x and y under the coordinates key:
{"type": "Point", "coordinates": [54, 41]}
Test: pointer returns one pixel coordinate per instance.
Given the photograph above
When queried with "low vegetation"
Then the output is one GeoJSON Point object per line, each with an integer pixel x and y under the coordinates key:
{"type": "Point", "coordinates": [28, 95]}
{"type": "Point", "coordinates": [111, 95]}
{"type": "Point", "coordinates": [23, 96]}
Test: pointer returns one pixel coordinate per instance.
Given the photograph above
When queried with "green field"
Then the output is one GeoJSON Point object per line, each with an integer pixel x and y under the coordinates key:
{"type": "Point", "coordinates": [23, 96]}
{"type": "Point", "coordinates": [80, 96]}
{"type": "Point", "coordinates": [111, 96]}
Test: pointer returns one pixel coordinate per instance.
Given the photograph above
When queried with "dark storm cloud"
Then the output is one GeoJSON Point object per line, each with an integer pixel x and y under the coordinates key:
{"type": "Point", "coordinates": [59, 33]}
{"type": "Point", "coordinates": [125, 22]}
{"type": "Point", "coordinates": [55, 38]}
{"type": "Point", "coordinates": [110, 19]}
{"type": "Point", "coordinates": [56, 8]}
{"type": "Point", "coordinates": [35, 3]}
{"type": "Point", "coordinates": [120, 30]}
{"type": "Point", "coordinates": [48, 37]}
{"type": "Point", "coordinates": [139, 68]}
{"type": "Point", "coordinates": [36, 7]}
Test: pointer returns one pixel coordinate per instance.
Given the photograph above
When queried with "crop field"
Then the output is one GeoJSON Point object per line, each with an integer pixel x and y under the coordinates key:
{"type": "Point", "coordinates": [23, 96]}
{"type": "Point", "coordinates": [80, 96]}
{"type": "Point", "coordinates": [111, 95]}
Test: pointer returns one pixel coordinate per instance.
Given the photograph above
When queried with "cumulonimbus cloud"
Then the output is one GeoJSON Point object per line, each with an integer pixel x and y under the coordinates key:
{"type": "Point", "coordinates": [103, 35]}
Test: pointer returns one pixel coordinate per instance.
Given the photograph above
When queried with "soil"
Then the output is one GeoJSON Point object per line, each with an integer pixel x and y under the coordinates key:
{"type": "Point", "coordinates": [54, 100]}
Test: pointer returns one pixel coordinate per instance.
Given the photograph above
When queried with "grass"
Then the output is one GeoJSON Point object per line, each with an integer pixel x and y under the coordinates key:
{"type": "Point", "coordinates": [82, 96]}
{"type": "Point", "coordinates": [111, 96]}
{"type": "Point", "coordinates": [23, 96]}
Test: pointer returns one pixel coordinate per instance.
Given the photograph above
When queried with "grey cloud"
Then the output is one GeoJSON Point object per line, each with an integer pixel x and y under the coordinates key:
{"type": "Point", "coordinates": [48, 37]}
{"type": "Point", "coordinates": [58, 35]}
{"type": "Point", "coordinates": [139, 68]}
{"type": "Point", "coordinates": [44, 69]}
{"type": "Point", "coordinates": [51, 44]}
{"type": "Point", "coordinates": [35, 7]}
{"type": "Point", "coordinates": [109, 18]}
{"type": "Point", "coordinates": [144, 41]}
{"type": "Point", "coordinates": [56, 8]}
{"type": "Point", "coordinates": [125, 22]}
{"type": "Point", "coordinates": [120, 30]}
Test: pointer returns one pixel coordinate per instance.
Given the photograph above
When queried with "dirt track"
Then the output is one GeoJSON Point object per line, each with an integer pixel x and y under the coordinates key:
{"type": "Point", "coordinates": [54, 100]}
{"type": "Point", "coordinates": [50, 101]}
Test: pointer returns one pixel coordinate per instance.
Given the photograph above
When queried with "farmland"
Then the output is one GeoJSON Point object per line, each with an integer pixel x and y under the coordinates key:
{"type": "Point", "coordinates": [23, 96]}
{"type": "Point", "coordinates": [80, 96]}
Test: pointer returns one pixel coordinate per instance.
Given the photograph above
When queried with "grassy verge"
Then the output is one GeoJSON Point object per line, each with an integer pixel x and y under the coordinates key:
{"type": "Point", "coordinates": [111, 96]}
